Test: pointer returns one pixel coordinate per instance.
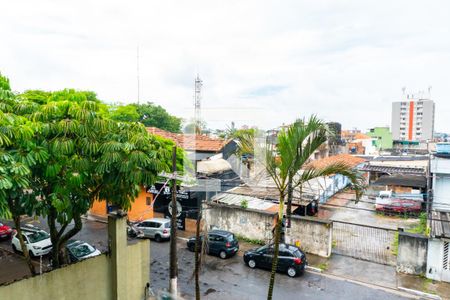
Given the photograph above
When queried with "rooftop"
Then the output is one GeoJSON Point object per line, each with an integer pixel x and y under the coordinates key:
{"type": "Point", "coordinates": [347, 159]}
{"type": "Point", "coordinates": [190, 142]}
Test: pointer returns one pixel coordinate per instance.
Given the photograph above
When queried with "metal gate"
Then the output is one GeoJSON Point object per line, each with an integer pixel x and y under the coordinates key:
{"type": "Point", "coordinates": [365, 242]}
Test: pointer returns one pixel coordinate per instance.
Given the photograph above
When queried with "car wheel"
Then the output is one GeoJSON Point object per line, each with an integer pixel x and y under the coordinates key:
{"type": "Point", "coordinates": [14, 248]}
{"type": "Point", "coordinates": [191, 248]}
{"type": "Point", "coordinates": [291, 272]}
{"type": "Point", "coordinates": [222, 254]}
{"type": "Point", "coordinates": [30, 253]}
{"type": "Point", "coordinates": [158, 238]}
{"type": "Point", "coordinates": [251, 263]}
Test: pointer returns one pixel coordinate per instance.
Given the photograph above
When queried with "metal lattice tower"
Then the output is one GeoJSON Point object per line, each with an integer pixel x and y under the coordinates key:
{"type": "Point", "coordinates": [197, 100]}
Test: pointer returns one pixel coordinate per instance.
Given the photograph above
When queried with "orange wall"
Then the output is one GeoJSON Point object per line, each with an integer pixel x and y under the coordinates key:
{"type": "Point", "coordinates": [139, 208]}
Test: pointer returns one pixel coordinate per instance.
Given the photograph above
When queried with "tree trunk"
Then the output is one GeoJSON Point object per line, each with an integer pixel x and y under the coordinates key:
{"type": "Point", "coordinates": [197, 255]}
{"type": "Point", "coordinates": [51, 221]}
{"type": "Point", "coordinates": [173, 285]}
{"type": "Point", "coordinates": [275, 258]}
{"type": "Point", "coordinates": [23, 246]}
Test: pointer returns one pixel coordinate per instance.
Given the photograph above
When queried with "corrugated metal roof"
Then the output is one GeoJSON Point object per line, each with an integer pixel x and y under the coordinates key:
{"type": "Point", "coordinates": [440, 224]}
{"type": "Point", "coordinates": [402, 180]}
{"type": "Point", "coordinates": [391, 169]}
{"type": "Point", "coordinates": [236, 199]}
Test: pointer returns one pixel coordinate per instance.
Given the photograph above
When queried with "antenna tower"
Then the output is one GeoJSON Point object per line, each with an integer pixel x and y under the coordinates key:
{"type": "Point", "coordinates": [197, 102]}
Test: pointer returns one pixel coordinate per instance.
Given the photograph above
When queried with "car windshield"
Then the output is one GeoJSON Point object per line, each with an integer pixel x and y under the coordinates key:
{"type": "Point", "coordinates": [167, 225]}
{"type": "Point", "coordinates": [38, 236]}
{"type": "Point", "coordinates": [82, 250]}
{"type": "Point", "coordinates": [262, 248]}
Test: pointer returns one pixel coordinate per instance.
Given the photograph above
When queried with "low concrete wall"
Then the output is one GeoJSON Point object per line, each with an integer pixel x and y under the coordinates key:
{"type": "Point", "coordinates": [89, 279]}
{"type": "Point", "coordinates": [253, 224]}
{"type": "Point", "coordinates": [92, 278]}
{"type": "Point", "coordinates": [314, 235]}
{"type": "Point", "coordinates": [412, 253]}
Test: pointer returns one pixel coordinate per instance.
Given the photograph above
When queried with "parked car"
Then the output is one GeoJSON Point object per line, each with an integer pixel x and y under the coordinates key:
{"type": "Point", "coordinates": [156, 228]}
{"type": "Point", "coordinates": [37, 241]}
{"type": "Point", "coordinates": [291, 259]}
{"type": "Point", "coordinates": [220, 242]}
{"type": "Point", "coordinates": [5, 231]}
{"type": "Point", "coordinates": [79, 250]}
{"type": "Point", "coordinates": [397, 205]}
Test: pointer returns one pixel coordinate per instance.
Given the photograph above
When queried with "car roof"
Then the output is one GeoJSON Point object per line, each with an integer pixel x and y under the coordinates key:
{"type": "Point", "coordinates": [220, 232]}
{"type": "Point", "coordinates": [160, 220]}
{"type": "Point", "coordinates": [28, 231]}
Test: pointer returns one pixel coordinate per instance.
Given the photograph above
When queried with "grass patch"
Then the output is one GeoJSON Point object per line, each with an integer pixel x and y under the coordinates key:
{"type": "Point", "coordinates": [394, 246]}
{"type": "Point", "coordinates": [333, 244]}
{"type": "Point", "coordinates": [250, 241]}
{"type": "Point", "coordinates": [421, 228]}
{"type": "Point", "coordinates": [323, 266]}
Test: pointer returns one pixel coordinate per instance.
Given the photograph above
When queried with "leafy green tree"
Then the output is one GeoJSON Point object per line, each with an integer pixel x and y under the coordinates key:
{"type": "Point", "coordinates": [17, 154]}
{"type": "Point", "coordinates": [149, 114]}
{"type": "Point", "coordinates": [124, 113]}
{"type": "Point", "coordinates": [295, 145]}
{"type": "Point", "coordinates": [152, 115]}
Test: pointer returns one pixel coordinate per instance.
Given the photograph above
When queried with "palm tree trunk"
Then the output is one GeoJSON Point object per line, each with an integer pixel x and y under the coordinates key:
{"type": "Point", "coordinates": [290, 192]}
{"type": "Point", "coordinates": [275, 258]}
{"type": "Point", "coordinates": [23, 246]}
{"type": "Point", "coordinates": [277, 246]}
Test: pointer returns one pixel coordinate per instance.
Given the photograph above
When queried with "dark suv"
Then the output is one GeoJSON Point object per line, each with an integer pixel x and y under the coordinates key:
{"type": "Point", "coordinates": [220, 242]}
{"type": "Point", "coordinates": [291, 259]}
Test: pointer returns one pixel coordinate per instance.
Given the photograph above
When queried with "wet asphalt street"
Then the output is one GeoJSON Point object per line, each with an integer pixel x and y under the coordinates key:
{"type": "Point", "coordinates": [231, 278]}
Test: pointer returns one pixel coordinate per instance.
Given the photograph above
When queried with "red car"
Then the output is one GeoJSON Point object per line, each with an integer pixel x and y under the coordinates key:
{"type": "Point", "coordinates": [5, 231]}
{"type": "Point", "coordinates": [395, 205]}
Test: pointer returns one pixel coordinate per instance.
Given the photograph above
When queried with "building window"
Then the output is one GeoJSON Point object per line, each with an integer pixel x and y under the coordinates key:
{"type": "Point", "coordinates": [148, 201]}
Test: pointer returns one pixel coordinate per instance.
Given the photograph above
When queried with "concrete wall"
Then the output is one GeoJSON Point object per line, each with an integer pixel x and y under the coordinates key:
{"type": "Point", "coordinates": [412, 253]}
{"type": "Point", "coordinates": [99, 278]}
{"type": "Point", "coordinates": [314, 235]}
{"type": "Point", "coordinates": [253, 224]}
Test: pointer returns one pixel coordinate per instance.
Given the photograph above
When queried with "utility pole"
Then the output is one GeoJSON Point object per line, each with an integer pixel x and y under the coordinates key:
{"type": "Point", "coordinates": [173, 285]}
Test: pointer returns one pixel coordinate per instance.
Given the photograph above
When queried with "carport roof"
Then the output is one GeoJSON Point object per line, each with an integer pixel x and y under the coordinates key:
{"type": "Point", "coordinates": [408, 180]}
{"type": "Point", "coordinates": [392, 169]}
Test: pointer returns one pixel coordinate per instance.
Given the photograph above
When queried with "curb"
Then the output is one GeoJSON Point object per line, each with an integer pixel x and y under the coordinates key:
{"type": "Point", "coordinates": [314, 269]}
{"type": "Point", "coordinates": [391, 290]}
{"type": "Point", "coordinates": [419, 293]}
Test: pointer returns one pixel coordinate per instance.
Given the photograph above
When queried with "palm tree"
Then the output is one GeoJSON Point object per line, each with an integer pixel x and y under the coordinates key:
{"type": "Point", "coordinates": [295, 145]}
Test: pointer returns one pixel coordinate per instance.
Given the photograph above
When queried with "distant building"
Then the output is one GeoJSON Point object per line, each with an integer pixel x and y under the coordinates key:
{"type": "Point", "coordinates": [413, 119]}
{"type": "Point", "coordinates": [349, 135]}
{"type": "Point", "coordinates": [382, 137]}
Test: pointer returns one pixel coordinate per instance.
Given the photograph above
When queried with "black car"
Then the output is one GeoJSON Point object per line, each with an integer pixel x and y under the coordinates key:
{"type": "Point", "coordinates": [220, 242]}
{"type": "Point", "coordinates": [291, 259]}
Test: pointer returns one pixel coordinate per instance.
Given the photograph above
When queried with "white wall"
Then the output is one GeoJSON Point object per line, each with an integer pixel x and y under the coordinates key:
{"type": "Point", "coordinates": [434, 261]}
{"type": "Point", "coordinates": [441, 192]}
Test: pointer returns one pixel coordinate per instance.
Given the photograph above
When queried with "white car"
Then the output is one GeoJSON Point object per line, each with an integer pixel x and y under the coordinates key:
{"type": "Point", "coordinates": [37, 241]}
{"type": "Point", "coordinates": [79, 250]}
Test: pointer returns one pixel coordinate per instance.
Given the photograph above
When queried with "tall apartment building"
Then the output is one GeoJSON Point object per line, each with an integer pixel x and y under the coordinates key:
{"type": "Point", "coordinates": [413, 119]}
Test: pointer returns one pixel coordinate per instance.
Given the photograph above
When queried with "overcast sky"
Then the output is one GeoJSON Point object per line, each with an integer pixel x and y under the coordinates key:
{"type": "Point", "coordinates": [263, 63]}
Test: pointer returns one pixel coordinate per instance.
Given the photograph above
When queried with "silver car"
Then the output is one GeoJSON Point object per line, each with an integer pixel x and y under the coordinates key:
{"type": "Point", "coordinates": [156, 228]}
